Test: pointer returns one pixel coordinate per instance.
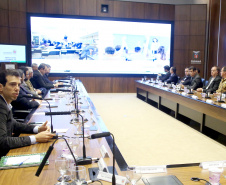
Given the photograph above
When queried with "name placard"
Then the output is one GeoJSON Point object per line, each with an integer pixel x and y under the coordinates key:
{"type": "Point", "coordinates": [104, 152]}
{"type": "Point", "coordinates": [211, 164]}
{"type": "Point", "coordinates": [209, 101]}
{"type": "Point", "coordinates": [102, 165]}
{"type": "Point", "coordinates": [108, 177]}
{"type": "Point", "coordinates": [194, 97]}
{"type": "Point", "coordinates": [223, 105]}
{"type": "Point", "coordinates": [151, 169]}
{"type": "Point", "coordinates": [184, 93]}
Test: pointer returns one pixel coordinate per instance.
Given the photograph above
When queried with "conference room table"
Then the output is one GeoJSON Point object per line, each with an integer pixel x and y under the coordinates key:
{"type": "Point", "coordinates": [49, 174]}
{"type": "Point", "coordinates": [207, 112]}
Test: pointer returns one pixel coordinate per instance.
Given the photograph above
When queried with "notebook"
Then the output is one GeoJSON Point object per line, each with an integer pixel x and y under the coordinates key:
{"type": "Point", "coordinates": [21, 161]}
{"type": "Point", "coordinates": [162, 180]}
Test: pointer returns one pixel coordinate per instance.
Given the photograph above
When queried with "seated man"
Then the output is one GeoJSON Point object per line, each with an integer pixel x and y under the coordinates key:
{"type": "Point", "coordinates": [222, 86]}
{"type": "Point", "coordinates": [38, 80]}
{"type": "Point", "coordinates": [173, 77]}
{"type": "Point", "coordinates": [164, 77]}
{"type": "Point", "coordinates": [213, 82]}
{"type": "Point", "coordinates": [9, 90]}
{"type": "Point", "coordinates": [186, 80]}
{"type": "Point", "coordinates": [41, 91]}
{"type": "Point", "coordinates": [23, 103]}
{"type": "Point", "coordinates": [196, 81]}
{"type": "Point", "coordinates": [46, 75]}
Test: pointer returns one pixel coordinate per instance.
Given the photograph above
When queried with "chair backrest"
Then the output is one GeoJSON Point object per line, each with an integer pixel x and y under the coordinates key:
{"type": "Point", "coordinates": [203, 81]}
{"type": "Point", "coordinates": [206, 82]}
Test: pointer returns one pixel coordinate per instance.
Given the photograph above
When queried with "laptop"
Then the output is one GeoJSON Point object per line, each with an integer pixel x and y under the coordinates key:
{"type": "Point", "coordinates": [162, 180]}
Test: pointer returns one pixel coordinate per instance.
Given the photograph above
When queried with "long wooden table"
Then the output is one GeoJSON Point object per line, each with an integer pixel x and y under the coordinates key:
{"type": "Point", "coordinates": [208, 115]}
{"type": "Point", "coordinates": [49, 175]}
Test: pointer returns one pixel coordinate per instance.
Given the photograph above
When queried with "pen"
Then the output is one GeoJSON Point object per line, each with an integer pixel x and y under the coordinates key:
{"type": "Point", "coordinates": [23, 161]}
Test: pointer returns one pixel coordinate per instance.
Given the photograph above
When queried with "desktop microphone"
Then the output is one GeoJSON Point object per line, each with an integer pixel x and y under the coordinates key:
{"type": "Point", "coordinates": [83, 160]}
{"type": "Point", "coordinates": [51, 120]}
{"type": "Point", "coordinates": [105, 134]}
{"type": "Point", "coordinates": [48, 154]}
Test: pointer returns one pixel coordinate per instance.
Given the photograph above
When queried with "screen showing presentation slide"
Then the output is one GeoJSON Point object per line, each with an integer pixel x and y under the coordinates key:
{"type": "Point", "coordinates": [12, 53]}
{"type": "Point", "coordinates": [100, 45]}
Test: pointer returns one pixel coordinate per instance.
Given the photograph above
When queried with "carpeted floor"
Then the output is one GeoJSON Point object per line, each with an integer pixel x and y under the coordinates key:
{"type": "Point", "coordinates": [147, 136]}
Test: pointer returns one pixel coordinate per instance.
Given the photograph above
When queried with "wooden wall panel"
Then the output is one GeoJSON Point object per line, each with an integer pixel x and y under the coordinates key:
{"type": "Point", "coordinates": [53, 6]}
{"type": "Point", "coordinates": [4, 35]}
{"type": "Point", "coordinates": [182, 27]}
{"type": "Point", "coordinates": [137, 10]}
{"type": "Point", "coordinates": [17, 19]}
{"type": "Point", "coordinates": [88, 7]}
{"type": "Point", "coordinates": [110, 8]}
{"type": "Point", "coordinates": [34, 6]}
{"type": "Point", "coordinates": [166, 12]}
{"type": "Point", "coordinates": [122, 9]}
{"type": "Point", "coordinates": [198, 28]}
{"type": "Point", "coordinates": [17, 5]}
{"type": "Point", "coordinates": [89, 83]}
{"type": "Point", "coordinates": [18, 36]}
{"type": "Point", "coordinates": [181, 58]}
{"type": "Point", "coordinates": [4, 17]}
{"type": "Point", "coordinates": [181, 42]}
{"type": "Point", "coordinates": [182, 12]}
{"type": "Point", "coordinates": [198, 12]}
{"type": "Point", "coordinates": [4, 4]}
{"type": "Point", "coordinates": [103, 84]}
{"type": "Point", "coordinates": [197, 43]}
{"type": "Point", "coordinates": [119, 85]}
{"type": "Point", "coordinates": [151, 11]}
{"type": "Point", "coordinates": [71, 7]}
{"type": "Point", "coordinates": [131, 87]}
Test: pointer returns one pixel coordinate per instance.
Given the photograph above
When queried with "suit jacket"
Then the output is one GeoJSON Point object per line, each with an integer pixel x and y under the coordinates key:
{"type": "Point", "coordinates": [164, 77]}
{"type": "Point", "coordinates": [196, 82]}
{"type": "Point", "coordinates": [213, 86]}
{"type": "Point", "coordinates": [187, 80]}
{"type": "Point", "coordinates": [8, 126]}
{"type": "Point", "coordinates": [173, 78]}
{"type": "Point", "coordinates": [39, 82]}
{"type": "Point", "coordinates": [22, 103]}
{"type": "Point", "coordinates": [46, 79]}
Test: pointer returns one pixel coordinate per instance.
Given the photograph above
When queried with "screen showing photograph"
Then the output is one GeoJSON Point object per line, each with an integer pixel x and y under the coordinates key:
{"type": "Point", "coordinates": [88, 45]}
{"type": "Point", "coordinates": [12, 53]}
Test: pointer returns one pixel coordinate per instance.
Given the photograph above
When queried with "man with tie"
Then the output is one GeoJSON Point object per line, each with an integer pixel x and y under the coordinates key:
{"type": "Point", "coordinates": [213, 82]}
{"type": "Point", "coordinates": [9, 91]}
{"type": "Point", "coordinates": [222, 86]}
{"type": "Point", "coordinates": [164, 77]}
{"type": "Point", "coordinates": [186, 80]}
{"type": "Point", "coordinates": [173, 77]}
{"type": "Point", "coordinates": [196, 81]}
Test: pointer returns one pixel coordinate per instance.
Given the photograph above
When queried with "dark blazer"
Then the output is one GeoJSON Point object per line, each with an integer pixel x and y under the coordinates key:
{"type": "Point", "coordinates": [164, 77]}
{"type": "Point", "coordinates": [173, 78]}
{"type": "Point", "coordinates": [187, 80]}
{"type": "Point", "coordinates": [22, 103]}
{"type": "Point", "coordinates": [46, 79]}
{"type": "Point", "coordinates": [213, 86]}
{"type": "Point", "coordinates": [8, 126]}
{"type": "Point", "coordinates": [196, 82]}
{"type": "Point", "coordinates": [39, 82]}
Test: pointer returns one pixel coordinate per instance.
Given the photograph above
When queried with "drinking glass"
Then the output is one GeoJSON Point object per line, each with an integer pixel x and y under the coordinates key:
{"type": "Point", "coordinates": [132, 175]}
{"type": "Point", "coordinates": [75, 144]}
{"type": "Point", "coordinates": [62, 165]}
{"type": "Point", "coordinates": [78, 175]}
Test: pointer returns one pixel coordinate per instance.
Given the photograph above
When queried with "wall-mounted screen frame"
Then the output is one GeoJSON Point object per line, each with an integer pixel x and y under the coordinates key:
{"type": "Point", "coordinates": [100, 45]}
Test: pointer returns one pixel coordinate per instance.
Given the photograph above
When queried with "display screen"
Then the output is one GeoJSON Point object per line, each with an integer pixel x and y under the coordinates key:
{"type": "Point", "coordinates": [12, 53]}
{"type": "Point", "coordinates": [100, 45]}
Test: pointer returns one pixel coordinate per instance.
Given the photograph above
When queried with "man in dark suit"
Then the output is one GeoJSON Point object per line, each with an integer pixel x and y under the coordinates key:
{"type": "Point", "coordinates": [196, 81]}
{"type": "Point", "coordinates": [164, 77]}
{"type": "Point", "coordinates": [213, 82]}
{"type": "Point", "coordinates": [186, 80]}
{"type": "Point", "coordinates": [173, 77]}
{"type": "Point", "coordinates": [23, 103]}
{"type": "Point", "coordinates": [38, 80]}
{"type": "Point", "coordinates": [9, 90]}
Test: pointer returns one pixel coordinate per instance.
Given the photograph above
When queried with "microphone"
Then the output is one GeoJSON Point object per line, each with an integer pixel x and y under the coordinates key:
{"type": "Point", "coordinates": [48, 154]}
{"type": "Point", "coordinates": [51, 120]}
{"type": "Point", "coordinates": [105, 134]}
{"type": "Point", "coordinates": [83, 160]}
{"type": "Point", "coordinates": [58, 113]}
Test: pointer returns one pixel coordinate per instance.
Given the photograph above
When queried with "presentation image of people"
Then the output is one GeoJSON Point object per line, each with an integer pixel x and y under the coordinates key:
{"type": "Point", "coordinates": [100, 45]}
